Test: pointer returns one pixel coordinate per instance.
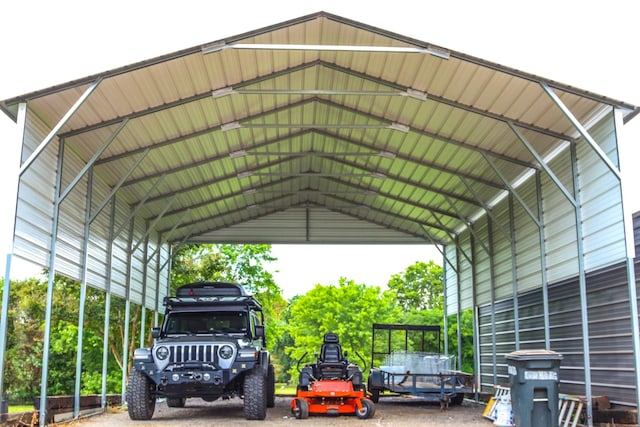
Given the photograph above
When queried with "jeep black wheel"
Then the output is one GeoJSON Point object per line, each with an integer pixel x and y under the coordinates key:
{"type": "Point", "coordinates": [368, 409]}
{"type": "Point", "coordinates": [271, 387]}
{"type": "Point", "coordinates": [176, 402]}
{"type": "Point", "coordinates": [141, 401]}
{"type": "Point", "coordinates": [255, 394]}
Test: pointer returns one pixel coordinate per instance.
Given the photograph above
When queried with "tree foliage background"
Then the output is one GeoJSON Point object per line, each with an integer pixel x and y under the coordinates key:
{"type": "Point", "coordinates": [294, 327]}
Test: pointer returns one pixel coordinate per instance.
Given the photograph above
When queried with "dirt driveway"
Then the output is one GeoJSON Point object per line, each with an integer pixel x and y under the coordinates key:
{"type": "Point", "coordinates": [397, 411]}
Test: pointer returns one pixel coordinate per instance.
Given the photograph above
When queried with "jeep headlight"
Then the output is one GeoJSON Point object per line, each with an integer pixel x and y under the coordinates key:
{"type": "Point", "coordinates": [226, 351]}
{"type": "Point", "coordinates": [162, 353]}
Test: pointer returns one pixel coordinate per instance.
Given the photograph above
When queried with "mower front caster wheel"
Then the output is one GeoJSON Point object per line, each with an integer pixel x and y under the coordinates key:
{"type": "Point", "coordinates": [301, 411]}
{"type": "Point", "coordinates": [367, 411]}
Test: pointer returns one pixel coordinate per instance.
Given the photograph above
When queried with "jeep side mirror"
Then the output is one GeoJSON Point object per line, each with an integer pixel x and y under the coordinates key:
{"type": "Point", "coordinates": [155, 333]}
{"type": "Point", "coordinates": [259, 331]}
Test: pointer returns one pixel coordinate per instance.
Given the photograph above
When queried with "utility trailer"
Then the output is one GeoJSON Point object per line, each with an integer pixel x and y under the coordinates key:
{"type": "Point", "coordinates": [407, 360]}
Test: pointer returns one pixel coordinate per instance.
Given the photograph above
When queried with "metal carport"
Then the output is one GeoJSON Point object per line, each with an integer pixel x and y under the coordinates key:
{"type": "Point", "coordinates": [325, 130]}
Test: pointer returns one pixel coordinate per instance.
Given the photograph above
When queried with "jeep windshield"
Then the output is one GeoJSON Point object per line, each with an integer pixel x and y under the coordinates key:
{"type": "Point", "coordinates": [195, 323]}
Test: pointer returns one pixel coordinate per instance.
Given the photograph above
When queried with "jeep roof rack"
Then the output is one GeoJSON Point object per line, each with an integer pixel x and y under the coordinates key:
{"type": "Point", "coordinates": [207, 293]}
{"type": "Point", "coordinates": [211, 289]}
{"type": "Point", "coordinates": [247, 300]}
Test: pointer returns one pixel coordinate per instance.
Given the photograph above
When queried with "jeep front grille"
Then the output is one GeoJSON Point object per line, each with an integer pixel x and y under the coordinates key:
{"type": "Point", "coordinates": [181, 353]}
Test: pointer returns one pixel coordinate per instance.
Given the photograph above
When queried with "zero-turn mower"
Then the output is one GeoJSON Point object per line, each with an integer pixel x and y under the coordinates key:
{"type": "Point", "coordinates": [332, 385]}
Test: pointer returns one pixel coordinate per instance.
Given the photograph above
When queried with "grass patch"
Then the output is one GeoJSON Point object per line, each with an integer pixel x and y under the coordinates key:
{"type": "Point", "coordinates": [20, 408]}
{"type": "Point", "coordinates": [285, 389]}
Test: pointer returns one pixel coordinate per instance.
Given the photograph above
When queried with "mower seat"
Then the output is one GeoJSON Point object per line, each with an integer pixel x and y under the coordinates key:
{"type": "Point", "coordinates": [331, 364]}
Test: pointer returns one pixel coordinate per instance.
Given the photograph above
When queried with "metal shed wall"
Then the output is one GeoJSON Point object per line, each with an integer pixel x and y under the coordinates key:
{"type": "Point", "coordinates": [611, 350]}
{"type": "Point", "coordinates": [36, 210]}
{"type": "Point", "coordinates": [608, 311]}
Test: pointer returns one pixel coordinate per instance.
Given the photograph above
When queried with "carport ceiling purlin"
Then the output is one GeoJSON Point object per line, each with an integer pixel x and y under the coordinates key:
{"type": "Point", "coordinates": [317, 113]}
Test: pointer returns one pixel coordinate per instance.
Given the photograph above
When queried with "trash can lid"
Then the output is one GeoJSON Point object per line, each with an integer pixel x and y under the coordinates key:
{"type": "Point", "coordinates": [534, 355]}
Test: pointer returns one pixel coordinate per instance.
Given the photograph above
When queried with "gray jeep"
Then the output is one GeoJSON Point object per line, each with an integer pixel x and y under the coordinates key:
{"type": "Point", "coordinates": [211, 345]}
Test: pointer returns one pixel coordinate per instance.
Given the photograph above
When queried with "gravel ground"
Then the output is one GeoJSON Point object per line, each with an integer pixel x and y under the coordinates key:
{"type": "Point", "coordinates": [404, 411]}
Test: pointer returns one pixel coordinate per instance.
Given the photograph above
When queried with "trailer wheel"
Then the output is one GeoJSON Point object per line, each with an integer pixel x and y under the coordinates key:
{"type": "Point", "coordinates": [368, 409]}
{"type": "Point", "coordinates": [375, 395]}
{"type": "Point", "coordinates": [457, 399]}
{"type": "Point", "coordinates": [302, 409]}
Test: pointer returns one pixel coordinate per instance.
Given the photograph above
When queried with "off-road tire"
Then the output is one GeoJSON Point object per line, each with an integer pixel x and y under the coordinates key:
{"type": "Point", "coordinates": [368, 409]}
{"type": "Point", "coordinates": [255, 394]}
{"type": "Point", "coordinates": [176, 402]}
{"type": "Point", "coordinates": [140, 399]}
{"type": "Point", "coordinates": [271, 387]}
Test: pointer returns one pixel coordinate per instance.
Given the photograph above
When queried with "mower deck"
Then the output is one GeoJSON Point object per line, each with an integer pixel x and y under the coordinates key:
{"type": "Point", "coordinates": [332, 397]}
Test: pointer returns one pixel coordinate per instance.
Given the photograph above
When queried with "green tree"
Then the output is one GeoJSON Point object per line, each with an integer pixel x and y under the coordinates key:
{"type": "Point", "coordinates": [25, 334]}
{"type": "Point", "coordinates": [419, 287]}
{"type": "Point", "coordinates": [348, 309]}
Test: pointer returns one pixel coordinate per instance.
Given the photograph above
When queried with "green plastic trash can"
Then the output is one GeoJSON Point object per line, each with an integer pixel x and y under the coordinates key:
{"type": "Point", "coordinates": [533, 378]}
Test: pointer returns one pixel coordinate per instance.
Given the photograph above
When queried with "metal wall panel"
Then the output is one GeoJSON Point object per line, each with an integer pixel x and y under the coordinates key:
{"type": "Point", "coordinates": [482, 262]}
{"type": "Point", "coordinates": [466, 273]}
{"type": "Point", "coordinates": [559, 221]}
{"type": "Point", "coordinates": [612, 359]}
{"type": "Point", "coordinates": [502, 253]}
{"type": "Point", "coordinates": [36, 192]}
{"type": "Point", "coordinates": [602, 215]}
{"type": "Point", "coordinates": [70, 238]}
{"type": "Point", "coordinates": [527, 236]}
{"type": "Point", "coordinates": [451, 279]}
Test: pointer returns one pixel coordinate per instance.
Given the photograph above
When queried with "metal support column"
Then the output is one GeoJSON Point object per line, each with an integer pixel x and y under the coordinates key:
{"type": "Point", "coordinates": [11, 184]}
{"type": "Point", "coordinates": [630, 254]}
{"type": "Point", "coordinates": [50, 285]}
{"type": "Point", "coordinates": [514, 274]}
{"type": "Point", "coordinates": [83, 296]}
{"type": "Point", "coordinates": [584, 302]}
{"type": "Point", "coordinates": [107, 306]}
{"type": "Point", "coordinates": [127, 311]}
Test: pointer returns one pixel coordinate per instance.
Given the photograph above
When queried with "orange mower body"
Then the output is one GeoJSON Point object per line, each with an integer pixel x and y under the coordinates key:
{"type": "Point", "coordinates": [331, 397]}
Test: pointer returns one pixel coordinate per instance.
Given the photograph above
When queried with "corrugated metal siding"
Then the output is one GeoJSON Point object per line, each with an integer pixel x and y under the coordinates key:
{"type": "Point", "coordinates": [482, 262]}
{"type": "Point", "coordinates": [466, 273]}
{"type": "Point", "coordinates": [527, 236]}
{"type": "Point", "coordinates": [452, 282]}
{"type": "Point", "coordinates": [503, 256]}
{"type": "Point", "coordinates": [71, 221]}
{"type": "Point", "coordinates": [36, 194]}
{"type": "Point", "coordinates": [600, 192]}
{"type": "Point", "coordinates": [610, 343]}
{"type": "Point", "coordinates": [304, 225]}
{"type": "Point", "coordinates": [559, 221]}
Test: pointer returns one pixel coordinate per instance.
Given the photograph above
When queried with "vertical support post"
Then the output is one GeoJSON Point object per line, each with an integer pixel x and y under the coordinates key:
{"type": "Point", "coordinates": [458, 309]}
{"type": "Point", "coordinates": [46, 342]}
{"type": "Point", "coordinates": [446, 311]}
{"type": "Point", "coordinates": [583, 289]}
{"type": "Point", "coordinates": [127, 312]}
{"type": "Point", "coordinates": [107, 306]}
{"type": "Point", "coordinates": [83, 296]}
{"type": "Point", "coordinates": [543, 263]}
{"type": "Point", "coordinates": [11, 184]}
{"type": "Point", "coordinates": [514, 274]}
{"type": "Point", "coordinates": [630, 252]}
{"type": "Point", "coordinates": [493, 303]}
{"type": "Point", "coordinates": [145, 275]}
{"type": "Point", "coordinates": [4, 317]}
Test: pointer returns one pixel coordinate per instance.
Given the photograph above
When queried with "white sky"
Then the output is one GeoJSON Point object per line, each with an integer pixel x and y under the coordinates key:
{"type": "Point", "coordinates": [591, 45]}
